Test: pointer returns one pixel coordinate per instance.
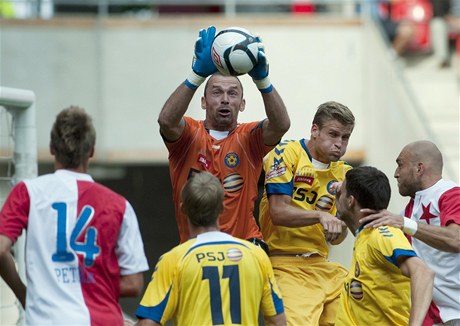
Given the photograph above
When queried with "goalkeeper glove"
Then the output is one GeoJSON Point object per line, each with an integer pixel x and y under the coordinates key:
{"type": "Point", "coordinates": [202, 64]}
{"type": "Point", "coordinates": [259, 73]}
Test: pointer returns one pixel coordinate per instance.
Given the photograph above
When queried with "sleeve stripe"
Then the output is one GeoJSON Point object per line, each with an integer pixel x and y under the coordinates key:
{"type": "Point", "coordinates": [400, 253]}
{"type": "Point", "coordinates": [154, 313]}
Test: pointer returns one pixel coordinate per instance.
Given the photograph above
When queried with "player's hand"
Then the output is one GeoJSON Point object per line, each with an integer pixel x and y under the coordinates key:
{"type": "Point", "coordinates": [332, 226]}
{"type": "Point", "coordinates": [375, 219]}
{"type": "Point", "coordinates": [261, 69]}
{"type": "Point", "coordinates": [202, 63]}
{"type": "Point", "coordinates": [334, 187]}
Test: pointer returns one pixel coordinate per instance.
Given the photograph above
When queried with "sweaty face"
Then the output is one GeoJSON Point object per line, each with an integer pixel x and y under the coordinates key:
{"type": "Point", "coordinates": [331, 141]}
{"type": "Point", "coordinates": [223, 101]}
{"type": "Point", "coordinates": [406, 174]}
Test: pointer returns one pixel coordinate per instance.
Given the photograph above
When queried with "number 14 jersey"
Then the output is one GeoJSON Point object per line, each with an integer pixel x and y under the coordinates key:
{"type": "Point", "coordinates": [81, 236]}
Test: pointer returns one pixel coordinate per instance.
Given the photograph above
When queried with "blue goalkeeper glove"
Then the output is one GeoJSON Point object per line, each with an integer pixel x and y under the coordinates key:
{"type": "Point", "coordinates": [202, 64]}
{"type": "Point", "coordinates": [259, 73]}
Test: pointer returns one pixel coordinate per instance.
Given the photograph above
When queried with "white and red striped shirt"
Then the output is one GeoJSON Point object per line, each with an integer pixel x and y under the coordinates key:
{"type": "Point", "coordinates": [439, 205]}
{"type": "Point", "coordinates": [81, 236]}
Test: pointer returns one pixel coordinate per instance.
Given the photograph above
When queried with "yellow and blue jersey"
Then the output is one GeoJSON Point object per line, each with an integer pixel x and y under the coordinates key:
{"type": "Point", "coordinates": [289, 171]}
{"type": "Point", "coordinates": [375, 291]}
{"type": "Point", "coordinates": [214, 279]}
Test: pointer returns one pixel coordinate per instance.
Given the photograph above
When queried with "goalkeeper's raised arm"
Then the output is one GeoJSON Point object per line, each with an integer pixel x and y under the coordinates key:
{"type": "Point", "coordinates": [218, 144]}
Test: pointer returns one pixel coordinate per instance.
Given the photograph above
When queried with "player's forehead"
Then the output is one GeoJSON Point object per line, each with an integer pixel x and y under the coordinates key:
{"type": "Point", "coordinates": [337, 126]}
{"type": "Point", "coordinates": [403, 157]}
{"type": "Point", "coordinates": [224, 82]}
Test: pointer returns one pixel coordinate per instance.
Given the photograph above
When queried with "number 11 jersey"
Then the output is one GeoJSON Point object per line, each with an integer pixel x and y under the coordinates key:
{"type": "Point", "coordinates": [214, 279]}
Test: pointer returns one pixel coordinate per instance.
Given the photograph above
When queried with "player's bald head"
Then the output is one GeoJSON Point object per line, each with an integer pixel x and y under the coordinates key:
{"type": "Point", "coordinates": [425, 152]}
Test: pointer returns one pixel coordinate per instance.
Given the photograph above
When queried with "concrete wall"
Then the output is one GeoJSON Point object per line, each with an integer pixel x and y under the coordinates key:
{"type": "Point", "coordinates": [123, 71]}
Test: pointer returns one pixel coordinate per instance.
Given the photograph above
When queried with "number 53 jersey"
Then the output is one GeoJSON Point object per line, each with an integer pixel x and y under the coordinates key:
{"type": "Point", "coordinates": [81, 237]}
{"type": "Point", "coordinates": [214, 279]}
{"type": "Point", "coordinates": [289, 171]}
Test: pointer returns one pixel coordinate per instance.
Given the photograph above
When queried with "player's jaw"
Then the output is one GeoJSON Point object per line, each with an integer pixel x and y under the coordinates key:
{"type": "Point", "coordinates": [335, 154]}
{"type": "Point", "coordinates": [223, 118]}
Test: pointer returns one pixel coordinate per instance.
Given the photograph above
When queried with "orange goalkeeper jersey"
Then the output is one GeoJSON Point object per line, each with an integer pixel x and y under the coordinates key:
{"type": "Point", "coordinates": [236, 160]}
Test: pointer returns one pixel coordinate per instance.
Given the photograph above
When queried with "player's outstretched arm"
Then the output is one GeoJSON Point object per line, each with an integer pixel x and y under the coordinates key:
{"type": "Point", "coordinates": [278, 121]}
{"type": "Point", "coordinates": [277, 320]}
{"type": "Point", "coordinates": [444, 238]}
{"type": "Point", "coordinates": [8, 270]}
{"type": "Point", "coordinates": [170, 119]}
{"type": "Point", "coordinates": [421, 285]}
{"type": "Point", "coordinates": [131, 285]}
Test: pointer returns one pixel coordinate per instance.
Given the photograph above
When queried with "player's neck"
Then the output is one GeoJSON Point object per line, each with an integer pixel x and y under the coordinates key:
{"type": "Point", "coordinates": [83, 168]}
{"type": "Point", "coordinates": [196, 230]}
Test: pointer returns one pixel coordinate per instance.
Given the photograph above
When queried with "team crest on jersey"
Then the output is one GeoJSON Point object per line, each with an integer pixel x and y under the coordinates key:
{"type": "Point", "coordinates": [324, 203]}
{"type": "Point", "coordinates": [203, 161]}
{"type": "Point", "coordinates": [276, 170]}
{"type": "Point", "coordinates": [232, 160]}
{"type": "Point", "coordinates": [234, 255]}
{"type": "Point", "coordinates": [233, 182]}
{"type": "Point", "coordinates": [356, 290]}
{"type": "Point", "coordinates": [357, 270]}
{"type": "Point", "coordinates": [328, 187]}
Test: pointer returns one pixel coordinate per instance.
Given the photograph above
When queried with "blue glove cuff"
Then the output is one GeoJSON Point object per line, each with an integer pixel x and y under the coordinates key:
{"type": "Point", "coordinates": [266, 90]}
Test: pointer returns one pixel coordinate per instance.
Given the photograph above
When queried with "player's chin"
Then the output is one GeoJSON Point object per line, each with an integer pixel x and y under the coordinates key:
{"type": "Point", "coordinates": [225, 122]}
{"type": "Point", "coordinates": [334, 157]}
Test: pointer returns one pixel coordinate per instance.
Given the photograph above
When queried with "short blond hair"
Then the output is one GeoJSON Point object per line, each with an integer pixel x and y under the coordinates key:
{"type": "Point", "coordinates": [202, 199]}
{"type": "Point", "coordinates": [333, 111]}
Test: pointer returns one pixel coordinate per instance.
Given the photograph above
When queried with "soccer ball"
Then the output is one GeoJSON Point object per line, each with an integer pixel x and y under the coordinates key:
{"type": "Point", "coordinates": [234, 51]}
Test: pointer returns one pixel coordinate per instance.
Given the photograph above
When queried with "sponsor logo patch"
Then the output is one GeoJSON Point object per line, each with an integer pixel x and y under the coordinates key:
{"type": "Point", "coordinates": [234, 254]}
{"type": "Point", "coordinates": [304, 179]}
{"type": "Point", "coordinates": [325, 203]}
{"type": "Point", "coordinates": [276, 171]}
{"type": "Point", "coordinates": [356, 290]}
{"type": "Point", "coordinates": [203, 161]}
{"type": "Point", "coordinates": [233, 182]}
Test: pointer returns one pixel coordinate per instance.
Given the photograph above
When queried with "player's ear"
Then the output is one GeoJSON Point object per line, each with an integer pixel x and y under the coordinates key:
{"type": "Point", "coordinates": [420, 168]}
{"type": "Point", "coordinates": [314, 130]}
{"type": "Point", "coordinates": [351, 200]}
{"type": "Point", "coordinates": [203, 103]}
{"type": "Point", "coordinates": [91, 153]}
{"type": "Point", "coordinates": [242, 105]}
{"type": "Point", "coordinates": [52, 151]}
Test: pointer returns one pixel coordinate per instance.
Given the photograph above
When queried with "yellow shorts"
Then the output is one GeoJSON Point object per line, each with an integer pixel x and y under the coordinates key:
{"type": "Point", "coordinates": [310, 287]}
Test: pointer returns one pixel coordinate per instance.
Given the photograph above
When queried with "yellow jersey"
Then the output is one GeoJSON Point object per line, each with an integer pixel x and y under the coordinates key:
{"type": "Point", "coordinates": [289, 171]}
{"type": "Point", "coordinates": [214, 279]}
{"type": "Point", "coordinates": [375, 291]}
